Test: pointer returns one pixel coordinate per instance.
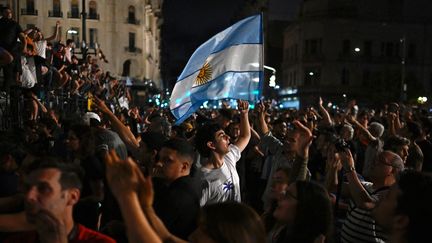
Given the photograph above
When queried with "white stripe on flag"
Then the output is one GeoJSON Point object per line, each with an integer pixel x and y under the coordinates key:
{"type": "Point", "coordinates": [238, 58]}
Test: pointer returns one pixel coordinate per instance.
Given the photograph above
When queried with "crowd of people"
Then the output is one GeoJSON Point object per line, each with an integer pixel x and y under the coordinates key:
{"type": "Point", "coordinates": [130, 174]}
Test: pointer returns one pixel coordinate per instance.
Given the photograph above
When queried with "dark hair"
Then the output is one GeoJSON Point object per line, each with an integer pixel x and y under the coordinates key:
{"type": "Point", "coordinates": [278, 121]}
{"type": "Point", "coordinates": [153, 140]}
{"type": "Point", "coordinates": [232, 222]}
{"type": "Point", "coordinates": [415, 201]}
{"type": "Point", "coordinates": [227, 114]}
{"type": "Point", "coordinates": [69, 41]}
{"type": "Point", "coordinates": [205, 134]}
{"type": "Point", "coordinates": [313, 203]}
{"type": "Point", "coordinates": [4, 8]}
{"type": "Point", "coordinates": [414, 128]}
{"type": "Point", "coordinates": [182, 147]}
{"type": "Point", "coordinates": [87, 139]}
{"type": "Point", "coordinates": [394, 142]}
{"type": "Point", "coordinates": [71, 174]}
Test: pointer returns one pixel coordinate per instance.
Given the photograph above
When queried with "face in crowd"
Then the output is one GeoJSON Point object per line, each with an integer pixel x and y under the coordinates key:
{"type": "Point", "coordinates": [43, 191]}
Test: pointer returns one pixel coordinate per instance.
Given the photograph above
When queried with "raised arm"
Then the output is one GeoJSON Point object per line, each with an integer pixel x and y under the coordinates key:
{"type": "Point", "coordinates": [303, 139]}
{"type": "Point", "coordinates": [325, 115]}
{"type": "Point", "coordinates": [358, 193]}
{"type": "Point", "coordinates": [391, 119]}
{"type": "Point", "coordinates": [262, 127]}
{"type": "Point", "coordinates": [362, 129]}
{"type": "Point", "coordinates": [123, 180]}
{"type": "Point", "coordinates": [55, 34]}
{"type": "Point", "coordinates": [245, 133]}
{"type": "Point", "coordinates": [125, 134]}
{"type": "Point", "coordinates": [146, 196]}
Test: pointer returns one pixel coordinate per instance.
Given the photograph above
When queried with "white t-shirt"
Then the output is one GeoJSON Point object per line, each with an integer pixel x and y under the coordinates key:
{"type": "Point", "coordinates": [41, 48]}
{"type": "Point", "coordinates": [222, 184]}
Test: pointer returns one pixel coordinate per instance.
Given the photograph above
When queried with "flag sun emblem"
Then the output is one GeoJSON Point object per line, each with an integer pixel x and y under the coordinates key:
{"type": "Point", "coordinates": [204, 75]}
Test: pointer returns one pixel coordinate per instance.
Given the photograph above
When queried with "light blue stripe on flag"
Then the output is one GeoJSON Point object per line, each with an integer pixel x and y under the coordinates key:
{"type": "Point", "coordinates": [229, 65]}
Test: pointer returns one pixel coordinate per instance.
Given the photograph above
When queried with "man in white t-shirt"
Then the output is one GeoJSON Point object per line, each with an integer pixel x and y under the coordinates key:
{"type": "Point", "coordinates": [219, 174]}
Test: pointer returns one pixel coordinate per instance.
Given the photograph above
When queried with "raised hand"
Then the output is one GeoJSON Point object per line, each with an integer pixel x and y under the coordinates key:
{"type": "Point", "coordinates": [260, 107]}
{"type": "Point", "coordinates": [145, 192]}
{"type": "Point", "coordinates": [122, 175]}
{"type": "Point", "coordinates": [50, 228]}
{"type": "Point", "coordinates": [100, 105]}
{"type": "Point", "coordinates": [243, 106]}
{"type": "Point", "coordinates": [333, 159]}
{"type": "Point", "coordinates": [304, 140]}
{"type": "Point", "coordinates": [347, 159]}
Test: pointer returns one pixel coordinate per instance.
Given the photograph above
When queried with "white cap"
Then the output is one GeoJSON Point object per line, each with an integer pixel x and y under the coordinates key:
{"type": "Point", "coordinates": [90, 115]}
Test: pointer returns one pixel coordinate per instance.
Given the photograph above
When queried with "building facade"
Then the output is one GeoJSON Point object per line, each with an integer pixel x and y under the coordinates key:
{"type": "Point", "coordinates": [126, 31]}
{"type": "Point", "coordinates": [344, 49]}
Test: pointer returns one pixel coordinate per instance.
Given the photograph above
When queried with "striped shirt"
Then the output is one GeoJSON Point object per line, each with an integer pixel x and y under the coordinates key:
{"type": "Point", "coordinates": [359, 226]}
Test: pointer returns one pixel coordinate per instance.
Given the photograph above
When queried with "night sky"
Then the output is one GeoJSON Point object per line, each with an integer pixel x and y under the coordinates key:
{"type": "Point", "coordinates": [186, 25]}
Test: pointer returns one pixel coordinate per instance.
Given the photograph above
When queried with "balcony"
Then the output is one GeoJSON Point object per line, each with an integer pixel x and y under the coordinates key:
{"type": "Point", "coordinates": [73, 15]}
{"type": "Point", "coordinates": [94, 16]}
{"type": "Point", "coordinates": [55, 14]}
{"type": "Point", "coordinates": [25, 11]}
{"type": "Point", "coordinates": [132, 21]}
{"type": "Point", "coordinates": [133, 49]}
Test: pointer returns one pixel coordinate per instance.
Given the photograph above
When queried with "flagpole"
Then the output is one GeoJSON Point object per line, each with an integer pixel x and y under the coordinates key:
{"type": "Point", "coordinates": [261, 86]}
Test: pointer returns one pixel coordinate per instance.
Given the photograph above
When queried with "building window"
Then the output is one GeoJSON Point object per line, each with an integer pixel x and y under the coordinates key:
{"type": "Point", "coordinates": [366, 78]}
{"type": "Point", "coordinates": [29, 8]}
{"type": "Point", "coordinates": [30, 5]}
{"type": "Point", "coordinates": [56, 9]}
{"type": "Point", "coordinates": [56, 6]}
{"type": "Point", "coordinates": [131, 15]}
{"type": "Point", "coordinates": [126, 68]}
{"type": "Point", "coordinates": [412, 51]}
{"type": "Point", "coordinates": [93, 37]}
{"type": "Point", "coordinates": [346, 47]}
{"type": "Point", "coordinates": [132, 41]}
{"type": "Point", "coordinates": [73, 33]}
{"type": "Point", "coordinates": [389, 49]}
{"type": "Point", "coordinates": [306, 47]}
{"type": "Point", "coordinates": [93, 10]}
{"type": "Point", "coordinates": [313, 47]}
{"type": "Point", "coordinates": [345, 76]}
{"type": "Point", "coordinates": [367, 48]}
{"type": "Point", "coordinates": [74, 13]}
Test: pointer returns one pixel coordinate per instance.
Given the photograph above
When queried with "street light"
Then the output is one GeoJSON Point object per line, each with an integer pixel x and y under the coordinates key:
{"type": "Point", "coordinates": [357, 49]}
{"type": "Point", "coordinates": [273, 77]}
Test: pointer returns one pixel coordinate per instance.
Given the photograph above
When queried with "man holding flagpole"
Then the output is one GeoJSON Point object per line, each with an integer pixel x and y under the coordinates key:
{"type": "Point", "coordinates": [227, 66]}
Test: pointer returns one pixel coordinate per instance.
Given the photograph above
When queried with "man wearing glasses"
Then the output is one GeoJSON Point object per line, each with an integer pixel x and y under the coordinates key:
{"type": "Point", "coordinates": [359, 225]}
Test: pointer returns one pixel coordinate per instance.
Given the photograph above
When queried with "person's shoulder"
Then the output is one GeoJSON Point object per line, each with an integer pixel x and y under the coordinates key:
{"type": "Point", "coordinates": [88, 235]}
{"type": "Point", "coordinates": [186, 184]}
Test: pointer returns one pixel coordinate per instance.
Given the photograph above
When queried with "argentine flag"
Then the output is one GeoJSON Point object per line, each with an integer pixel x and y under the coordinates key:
{"type": "Point", "coordinates": [228, 65]}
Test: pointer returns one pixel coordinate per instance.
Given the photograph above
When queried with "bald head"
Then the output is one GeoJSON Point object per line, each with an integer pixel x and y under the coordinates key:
{"type": "Point", "coordinates": [391, 159]}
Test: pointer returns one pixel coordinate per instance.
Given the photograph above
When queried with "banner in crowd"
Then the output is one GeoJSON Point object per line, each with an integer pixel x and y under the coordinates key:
{"type": "Point", "coordinates": [228, 65]}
